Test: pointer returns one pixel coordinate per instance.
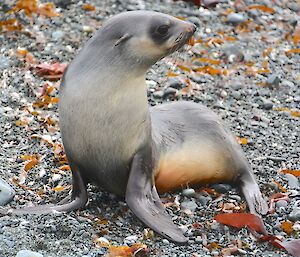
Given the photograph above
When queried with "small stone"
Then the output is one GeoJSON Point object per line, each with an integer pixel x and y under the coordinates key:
{"type": "Point", "coordinates": [236, 86]}
{"type": "Point", "coordinates": [232, 53]}
{"type": "Point", "coordinates": [235, 197]}
{"type": "Point", "coordinates": [6, 192]}
{"type": "Point", "coordinates": [130, 239]}
{"type": "Point", "coordinates": [87, 29]}
{"type": "Point", "coordinates": [281, 203]}
{"type": "Point", "coordinates": [189, 192]}
{"type": "Point", "coordinates": [27, 253]}
{"type": "Point", "coordinates": [4, 62]}
{"type": "Point", "coordinates": [175, 83]}
{"type": "Point", "coordinates": [57, 35]}
{"type": "Point", "coordinates": [273, 80]}
{"type": "Point", "coordinates": [222, 188]}
{"type": "Point", "coordinates": [165, 241]}
{"type": "Point", "coordinates": [204, 199]}
{"type": "Point", "coordinates": [198, 239]}
{"type": "Point", "coordinates": [158, 94]}
{"type": "Point", "coordinates": [170, 92]}
{"type": "Point", "coordinates": [265, 103]}
{"type": "Point", "coordinates": [236, 95]}
{"type": "Point", "coordinates": [292, 181]}
{"type": "Point", "coordinates": [9, 243]}
{"type": "Point", "coordinates": [236, 18]}
{"type": "Point", "coordinates": [191, 205]}
{"type": "Point", "coordinates": [295, 214]}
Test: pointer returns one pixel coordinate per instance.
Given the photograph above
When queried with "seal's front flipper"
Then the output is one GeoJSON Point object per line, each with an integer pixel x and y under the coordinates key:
{"type": "Point", "coordinates": [256, 203]}
{"type": "Point", "coordinates": [143, 200]}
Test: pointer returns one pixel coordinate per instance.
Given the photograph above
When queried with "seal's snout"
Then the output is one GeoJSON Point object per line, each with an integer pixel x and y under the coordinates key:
{"type": "Point", "coordinates": [191, 28]}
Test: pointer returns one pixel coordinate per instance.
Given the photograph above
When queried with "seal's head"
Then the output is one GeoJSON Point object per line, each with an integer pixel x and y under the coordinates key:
{"type": "Point", "coordinates": [141, 38]}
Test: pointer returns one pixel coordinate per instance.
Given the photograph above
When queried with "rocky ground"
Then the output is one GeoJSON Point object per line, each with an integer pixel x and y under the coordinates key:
{"type": "Point", "coordinates": [250, 77]}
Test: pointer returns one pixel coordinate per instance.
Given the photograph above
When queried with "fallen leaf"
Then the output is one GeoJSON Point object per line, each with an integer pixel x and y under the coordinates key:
{"type": "Point", "coordinates": [126, 251]}
{"type": "Point", "coordinates": [241, 220]}
{"type": "Point", "coordinates": [293, 172]}
{"type": "Point", "coordinates": [287, 227]}
{"type": "Point", "coordinates": [52, 71]}
{"type": "Point", "coordinates": [296, 36]}
{"type": "Point", "coordinates": [88, 7]}
{"type": "Point", "coordinates": [262, 8]}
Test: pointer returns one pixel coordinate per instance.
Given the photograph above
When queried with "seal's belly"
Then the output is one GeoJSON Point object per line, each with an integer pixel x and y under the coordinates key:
{"type": "Point", "coordinates": [193, 165]}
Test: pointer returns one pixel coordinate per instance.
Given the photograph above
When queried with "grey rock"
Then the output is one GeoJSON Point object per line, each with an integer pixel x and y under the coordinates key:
{"type": "Point", "coordinates": [6, 193]}
{"type": "Point", "coordinates": [4, 62]}
{"type": "Point", "coordinates": [57, 35]}
{"type": "Point", "coordinates": [158, 94]}
{"type": "Point", "coordinates": [236, 18]}
{"type": "Point", "coordinates": [222, 188]}
{"type": "Point", "coordinates": [232, 53]}
{"type": "Point", "coordinates": [165, 241]}
{"type": "Point", "coordinates": [265, 103]}
{"type": "Point", "coordinates": [189, 192]}
{"type": "Point", "coordinates": [27, 253]}
{"type": "Point", "coordinates": [295, 214]}
{"type": "Point", "coordinates": [191, 205]}
{"type": "Point", "coordinates": [236, 95]}
{"type": "Point", "coordinates": [292, 181]}
{"type": "Point", "coordinates": [236, 86]}
{"type": "Point", "coordinates": [175, 83]}
{"type": "Point", "coordinates": [235, 197]}
{"type": "Point", "coordinates": [170, 92]}
{"type": "Point", "coordinates": [273, 80]}
{"type": "Point", "coordinates": [281, 203]}
{"type": "Point", "coordinates": [203, 200]}
{"type": "Point", "coordinates": [9, 243]}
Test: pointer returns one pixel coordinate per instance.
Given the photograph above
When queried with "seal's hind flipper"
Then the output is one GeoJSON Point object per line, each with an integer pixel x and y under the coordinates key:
{"type": "Point", "coordinates": [143, 200]}
{"type": "Point", "coordinates": [78, 199]}
{"type": "Point", "coordinates": [256, 203]}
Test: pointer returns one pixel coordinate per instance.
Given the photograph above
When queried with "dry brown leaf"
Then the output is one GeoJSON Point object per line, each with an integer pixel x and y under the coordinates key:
{"type": "Point", "coordinates": [262, 8]}
{"type": "Point", "coordinates": [126, 251]}
{"type": "Point", "coordinates": [293, 172]}
{"type": "Point", "coordinates": [296, 36]}
{"type": "Point", "coordinates": [88, 7]}
{"type": "Point", "coordinates": [287, 227]}
{"type": "Point", "coordinates": [10, 25]}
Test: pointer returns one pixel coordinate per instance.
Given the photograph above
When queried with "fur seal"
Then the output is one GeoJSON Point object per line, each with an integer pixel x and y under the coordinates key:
{"type": "Point", "coordinates": [114, 140]}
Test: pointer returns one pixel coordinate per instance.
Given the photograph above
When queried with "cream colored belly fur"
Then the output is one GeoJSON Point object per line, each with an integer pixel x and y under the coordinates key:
{"type": "Point", "coordinates": [193, 165]}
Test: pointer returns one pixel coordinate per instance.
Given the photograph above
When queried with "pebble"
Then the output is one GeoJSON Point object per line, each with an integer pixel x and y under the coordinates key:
{"type": "Point", "coordinates": [189, 192]}
{"type": "Point", "coordinates": [222, 188]}
{"type": "Point", "coordinates": [170, 92]}
{"type": "Point", "coordinates": [165, 241]}
{"type": "Point", "coordinates": [265, 104]}
{"type": "Point", "coordinates": [273, 80]}
{"type": "Point", "coordinates": [204, 199]}
{"type": "Point", "coordinates": [292, 181]}
{"type": "Point", "coordinates": [57, 35]}
{"type": "Point", "coordinates": [295, 214]}
{"type": "Point", "coordinates": [191, 205]}
{"type": "Point", "coordinates": [6, 192]}
{"type": "Point", "coordinates": [158, 94]}
{"type": "Point", "coordinates": [233, 53]}
{"type": "Point", "coordinates": [236, 18]}
{"type": "Point", "coordinates": [235, 197]}
{"type": "Point", "coordinates": [236, 86]}
{"type": "Point", "coordinates": [9, 243]}
{"type": "Point", "coordinates": [130, 239]}
{"type": "Point", "coordinates": [281, 203]}
{"type": "Point", "coordinates": [175, 83]}
{"type": "Point", "coordinates": [27, 253]}
{"type": "Point", "coordinates": [4, 62]}
{"type": "Point", "coordinates": [87, 29]}
{"type": "Point", "coordinates": [236, 95]}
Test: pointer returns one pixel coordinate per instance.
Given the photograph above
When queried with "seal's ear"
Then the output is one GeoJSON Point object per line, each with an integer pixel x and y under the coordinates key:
{"type": "Point", "coordinates": [123, 39]}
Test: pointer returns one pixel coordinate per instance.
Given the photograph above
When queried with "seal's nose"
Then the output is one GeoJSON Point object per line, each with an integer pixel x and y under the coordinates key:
{"type": "Point", "coordinates": [191, 28]}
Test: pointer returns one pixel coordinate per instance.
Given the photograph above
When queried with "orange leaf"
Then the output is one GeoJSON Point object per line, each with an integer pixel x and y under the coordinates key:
{"type": "Point", "coordinates": [262, 8]}
{"type": "Point", "coordinates": [287, 227]}
{"type": "Point", "coordinates": [240, 220]}
{"type": "Point", "coordinates": [32, 160]}
{"type": "Point", "coordinates": [280, 186]}
{"type": "Point", "coordinates": [293, 51]}
{"type": "Point", "coordinates": [296, 36]}
{"type": "Point", "coordinates": [182, 67]}
{"type": "Point", "coordinates": [293, 172]}
{"type": "Point", "coordinates": [242, 141]}
{"type": "Point", "coordinates": [207, 60]}
{"type": "Point", "coordinates": [126, 251]}
{"type": "Point", "coordinates": [59, 188]}
{"type": "Point", "coordinates": [88, 7]}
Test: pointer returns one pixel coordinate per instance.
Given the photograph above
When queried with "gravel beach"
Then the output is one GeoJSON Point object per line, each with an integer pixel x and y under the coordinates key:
{"type": "Point", "coordinates": [248, 72]}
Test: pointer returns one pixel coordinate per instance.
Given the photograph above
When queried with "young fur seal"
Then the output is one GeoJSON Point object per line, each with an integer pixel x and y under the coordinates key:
{"type": "Point", "coordinates": [113, 139]}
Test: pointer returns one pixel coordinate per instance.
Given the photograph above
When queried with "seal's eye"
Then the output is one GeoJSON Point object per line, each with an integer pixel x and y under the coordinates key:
{"type": "Point", "coordinates": [163, 30]}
